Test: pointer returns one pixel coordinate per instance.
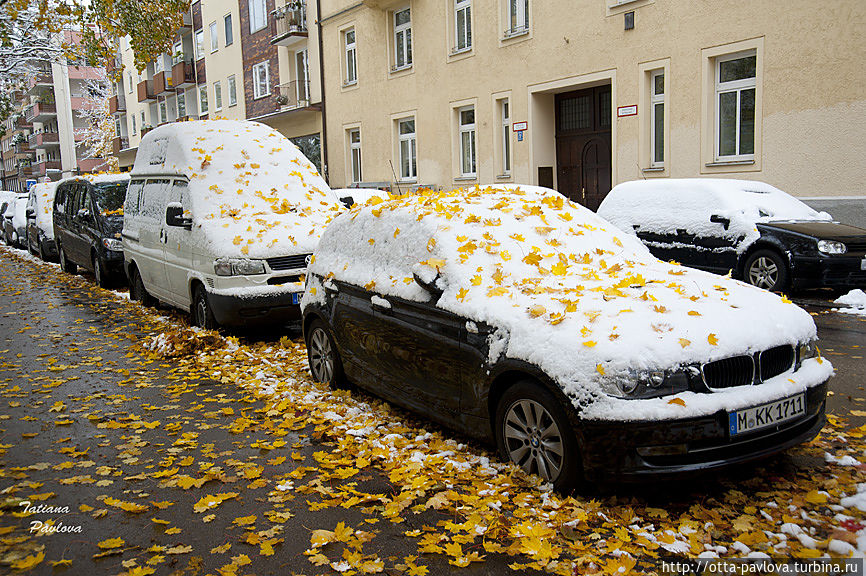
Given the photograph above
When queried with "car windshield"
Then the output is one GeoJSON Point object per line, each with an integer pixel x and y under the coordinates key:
{"type": "Point", "coordinates": [110, 197]}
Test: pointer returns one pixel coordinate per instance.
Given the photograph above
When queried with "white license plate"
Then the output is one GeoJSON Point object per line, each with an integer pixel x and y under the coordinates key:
{"type": "Point", "coordinates": [765, 415]}
{"type": "Point", "coordinates": [296, 297]}
{"type": "Point", "coordinates": [863, 264]}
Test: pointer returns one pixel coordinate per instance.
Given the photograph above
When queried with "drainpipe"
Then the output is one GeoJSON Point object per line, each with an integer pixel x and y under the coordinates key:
{"type": "Point", "coordinates": [322, 88]}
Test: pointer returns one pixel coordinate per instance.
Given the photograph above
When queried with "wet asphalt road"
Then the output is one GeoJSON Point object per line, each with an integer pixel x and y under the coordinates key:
{"type": "Point", "coordinates": [77, 413]}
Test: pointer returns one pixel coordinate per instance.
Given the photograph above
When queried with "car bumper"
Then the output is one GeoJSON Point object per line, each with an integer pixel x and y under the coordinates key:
{"type": "Point", "coordinates": [845, 271]}
{"type": "Point", "coordinates": [114, 264]}
{"type": "Point", "coordinates": [243, 311]}
{"type": "Point", "coordinates": [626, 451]}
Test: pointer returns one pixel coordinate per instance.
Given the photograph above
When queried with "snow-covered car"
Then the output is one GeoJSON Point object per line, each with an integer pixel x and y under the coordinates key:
{"type": "Point", "coordinates": [15, 222]}
{"type": "Point", "coordinates": [751, 229]}
{"type": "Point", "coordinates": [521, 317]}
{"type": "Point", "coordinates": [87, 220]}
{"type": "Point", "coordinates": [221, 219]}
{"type": "Point", "coordinates": [40, 221]}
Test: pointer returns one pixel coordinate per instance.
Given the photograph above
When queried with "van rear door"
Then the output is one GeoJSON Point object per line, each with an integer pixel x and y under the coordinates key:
{"type": "Point", "coordinates": [151, 263]}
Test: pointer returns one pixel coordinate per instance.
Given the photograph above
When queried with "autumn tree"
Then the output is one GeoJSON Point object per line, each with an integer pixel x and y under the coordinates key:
{"type": "Point", "coordinates": [98, 132]}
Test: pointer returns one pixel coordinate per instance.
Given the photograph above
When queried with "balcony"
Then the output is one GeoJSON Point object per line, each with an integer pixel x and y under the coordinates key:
{"type": "Point", "coordinates": [44, 140]}
{"type": "Point", "coordinates": [119, 143]}
{"type": "Point", "coordinates": [186, 24]}
{"type": "Point", "coordinates": [145, 91]}
{"type": "Point", "coordinates": [145, 130]}
{"type": "Point", "coordinates": [87, 165]}
{"type": "Point", "coordinates": [40, 112]}
{"type": "Point", "coordinates": [116, 103]}
{"type": "Point", "coordinates": [40, 81]}
{"type": "Point", "coordinates": [289, 24]}
{"type": "Point", "coordinates": [293, 95]}
{"type": "Point", "coordinates": [183, 74]}
{"type": "Point", "coordinates": [21, 123]}
{"type": "Point", "coordinates": [25, 170]}
{"type": "Point", "coordinates": [44, 167]}
{"type": "Point", "coordinates": [114, 64]}
{"type": "Point", "coordinates": [23, 148]}
{"type": "Point", "coordinates": [159, 83]}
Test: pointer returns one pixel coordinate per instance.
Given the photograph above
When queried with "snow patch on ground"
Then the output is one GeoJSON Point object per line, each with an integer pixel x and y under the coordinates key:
{"type": "Point", "coordinates": [855, 299]}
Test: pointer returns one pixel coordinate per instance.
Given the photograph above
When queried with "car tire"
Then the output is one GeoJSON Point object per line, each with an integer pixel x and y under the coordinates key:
{"type": "Point", "coordinates": [324, 358]}
{"type": "Point", "coordinates": [100, 274]}
{"type": "Point", "coordinates": [202, 314]}
{"type": "Point", "coordinates": [766, 269]}
{"type": "Point", "coordinates": [65, 264]}
{"type": "Point", "coordinates": [138, 292]}
{"type": "Point", "coordinates": [534, 432]}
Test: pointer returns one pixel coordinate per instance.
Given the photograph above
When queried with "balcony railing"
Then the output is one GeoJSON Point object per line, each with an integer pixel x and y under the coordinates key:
{"type": "Point", "coordinates": [289, 24]}
{"type": "Point", "coordinates": [40, 111]}
{"type": "Point", "coordinates": [293, 95]}
{"type": "Point", "coordinates": [145, 130]}
{"type": "Point", "coordinates": [44, 139]}
{"type": "Point", "coordinates": [114, 63]}
{"type": "Point", "coordinates": [145, 91]}
{"type": "Point", "coordinates": [25, 170]}
{"type": "Point", "coordinates": [42, 168]}
{"type": "Point", "coordinates": [119, 143]}
{"type": "Point", "coordinates": [23, 148]}
{"type": "Point", "coordinates": [116, 103]}
{"type": "Point", "coordinates": [183, 74]}
{"type": "Point", "coordinates": [161, 83]}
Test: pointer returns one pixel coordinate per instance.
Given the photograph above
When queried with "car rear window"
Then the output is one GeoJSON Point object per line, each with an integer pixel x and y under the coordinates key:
{"type": "Point", "coordinates": [110, 196]}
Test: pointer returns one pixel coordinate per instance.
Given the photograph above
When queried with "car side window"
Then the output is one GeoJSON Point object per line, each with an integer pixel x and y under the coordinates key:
{"type": "Point", "coordinates": [132, 205]}
{"type": "Point", "coordinates": [60, 199]}
{"type": "Point", "coordinates": [178, 193]}
{"type": "Point", "coordinates": [72, 194]}
{"type": "Point", "coordinates": [153, 201]}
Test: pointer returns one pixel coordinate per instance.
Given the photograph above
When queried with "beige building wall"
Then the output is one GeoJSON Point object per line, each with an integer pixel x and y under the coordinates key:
{"type": "Point", "coordinates": [810, 128]}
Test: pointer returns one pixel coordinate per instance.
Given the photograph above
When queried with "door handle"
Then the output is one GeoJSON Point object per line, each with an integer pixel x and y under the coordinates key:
{"type": "Point", "coordinates": [162, 236]}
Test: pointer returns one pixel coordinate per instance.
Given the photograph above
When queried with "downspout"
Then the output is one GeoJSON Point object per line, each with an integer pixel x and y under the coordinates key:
{"type": "Point", "coordinates": [322, 89]}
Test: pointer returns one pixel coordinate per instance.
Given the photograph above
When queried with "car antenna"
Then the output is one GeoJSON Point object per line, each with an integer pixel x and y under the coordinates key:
{"type": "Point", "coordinates": [394, 173]}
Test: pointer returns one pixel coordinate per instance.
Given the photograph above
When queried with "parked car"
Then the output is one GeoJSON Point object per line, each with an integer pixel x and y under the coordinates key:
{"type": "Point", "coordinates": [15, 222]}
{"type": "Point", "coordinates": [520, 317]}
{"type": "Point", "coordinates": [40, 222]}
{"type": "Point", "coordinates": [751, 229]}
{"type": "Point", "coordinates": [7, 198]}
{"type": "Point", "coordinates": [88, 217]}
{"type": "Point", "coordinates": [221, 219]}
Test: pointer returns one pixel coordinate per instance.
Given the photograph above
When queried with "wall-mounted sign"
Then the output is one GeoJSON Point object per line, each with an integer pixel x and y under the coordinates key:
{"type": "Point", "coordinates": [520, 139]}
{"type": "Point", "coordinates": [519, 126]}
{"type": "Point", "coordinates": [626, 111]}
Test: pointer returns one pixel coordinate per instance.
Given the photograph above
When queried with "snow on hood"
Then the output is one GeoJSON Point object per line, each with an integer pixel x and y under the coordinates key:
{"type": "Point", "coordinates": [19, 216]}
{"type": "Point", "coordinates": [252, 192]}
{"type": "Point", "coordinates": [44, 195]}
{"type": "Point", "coordinates": [563, 288]}
{"type": "Point", "coordinates": [649, 204]}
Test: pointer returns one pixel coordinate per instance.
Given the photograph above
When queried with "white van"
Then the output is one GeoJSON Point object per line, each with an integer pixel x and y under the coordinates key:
{"type": "Point", "coordinates": [221, 218]}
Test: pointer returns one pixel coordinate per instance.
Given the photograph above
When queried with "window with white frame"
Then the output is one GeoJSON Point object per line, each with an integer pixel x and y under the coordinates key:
{"type": "Point", "coordinates": [657, 119]}
{"type": "Point", "coordinates": [230, 34]}
{"type": "Point", "coordinates": [258, 15]}
{"type": "Point", "coordinates": [302, 73]}
{"type": "Point", "coordinates": [217, 96]}
{"type": "Point", "coordinates": [163, 113]}
{"type": "Point", "coordinates": [117, 127]}
{"type": "Point", "coordinates": [466, 125]}
{"type": "Point", "coordinates": [143, 123]}
{"type": "Point", "coordinates": [177, 53]}
{"type": "Point", "coordinates": [233, 90]}
{"type": "Point", "coordinates": [351, 57]}
{"type": "Point", "coordinates": [355, 154]}
{"type": "Point", "coordinates": [462, 25]}
{"type": "Point", "coordinates": [408, 145]}
{"type": "Point", "coordinates": [736, 89]}
{"type": "Point", "coordinates": [214, 37]}
{"type": "Point", "coordinates": [158, 65]}
{"type": "Point", "coordinates": [181, 104]}
{"type": "Point", "coordinates": [199, 44]}
{"type": "Point", "coordinates": [518, 17]}
{"type": "Point", "coordinates": [505, 136]}
{"type": "Point", "coordinates": [134, 127]}
{"type": "Point", "coordinates": [261, 80]}
{"type": "Point", "coordinates": [202, 100]}
{"type": "Point", "coordinates": [129, 81]}
{"type": "Point", "coordinates": [402, 39]}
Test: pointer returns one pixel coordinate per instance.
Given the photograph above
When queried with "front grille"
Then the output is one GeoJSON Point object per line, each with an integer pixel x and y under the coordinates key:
{"type": "Point", "coordinates": [280, 280]}
{"type": "Point", "coordinates": [729, 372]}
{"type": "Point", "coordinates": [293, 262]}
{"type": "Point", "coordinates": [856, 246]}
{"type": "Point", "coordinates": [776, 360]}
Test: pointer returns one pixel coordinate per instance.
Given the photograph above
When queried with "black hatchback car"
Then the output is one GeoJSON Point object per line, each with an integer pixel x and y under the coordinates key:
{"type": "Point", "coordinates": [753, 230]}
{"type": "Point", "coordinates": [88, 218]}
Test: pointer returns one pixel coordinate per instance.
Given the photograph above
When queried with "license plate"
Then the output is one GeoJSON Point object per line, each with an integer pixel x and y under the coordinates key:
{"type": "Point", "coordinates": [757, 417]}
{"type": "Point", "coordinates": [296, 297]}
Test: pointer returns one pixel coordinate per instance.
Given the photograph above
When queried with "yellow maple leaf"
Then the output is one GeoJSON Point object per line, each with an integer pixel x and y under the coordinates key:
{"type": "Point", "coordinates": [677, 401]}
{"type": "Point", "coordinates": [559, 269]}
{"type": "Point", "coordinates": [713, 340]}
{"type": "Point", "coordinates": [476, 280]}
{"type": "Point", "coordinates": [536, 310]}
{"type": "Point", "coordinates": [244, 520]}
{"type": "Point", "coordinates": [111, 543]}
{"type": "Point", "coordinates": [600, 369]}
{"type": "Point", "coordinates": [815, 497]}
{"type": "Point", "coordinates": [684, 343]}
{"type": "Point", "coordinates": [461, 294]}
{"type": "Point", "coordinates": [321, 537]}
{"type": "Point", "coordinates": [28, 562]}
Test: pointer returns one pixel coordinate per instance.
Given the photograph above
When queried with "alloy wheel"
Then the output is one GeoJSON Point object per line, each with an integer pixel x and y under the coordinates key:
{"type": "Point", "coordinates": [533, 440]}
{"type": "Point", "coordinates": [200, 312]}
{"type": "Point", "coordinates": [321, 356]}
{"type": "Point", "coordinates": [764, 273]}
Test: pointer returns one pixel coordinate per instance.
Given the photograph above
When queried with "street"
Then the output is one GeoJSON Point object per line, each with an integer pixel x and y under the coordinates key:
{"type": "Point", "coordinates": [144, 446]}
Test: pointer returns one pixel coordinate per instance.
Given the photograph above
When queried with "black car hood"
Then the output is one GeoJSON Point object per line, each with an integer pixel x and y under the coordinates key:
{"type": "Point", "coordinates": [824, 230]}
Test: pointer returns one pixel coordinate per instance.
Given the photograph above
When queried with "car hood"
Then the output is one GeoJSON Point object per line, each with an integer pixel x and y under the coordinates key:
{"type": "Point", "coordinates": [113, 225]}
{"type": "Point", "coordinates": [821, 230]}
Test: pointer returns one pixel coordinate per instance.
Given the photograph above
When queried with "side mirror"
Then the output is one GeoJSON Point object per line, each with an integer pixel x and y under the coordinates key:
{"type": "Point", "coordinates": [174, 216]}
{"type": "Point", "coordinates": [430, 286]}
{"type": "Point", "coordinates": [31, 213]}
{"type": "Point", "coordinates": [83, 213]}
{"type": "Point", "coordinates": [726, 222]}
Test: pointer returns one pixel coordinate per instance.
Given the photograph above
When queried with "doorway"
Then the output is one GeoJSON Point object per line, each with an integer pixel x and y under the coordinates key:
{"type": "Point", "coordinates": [583, 145]}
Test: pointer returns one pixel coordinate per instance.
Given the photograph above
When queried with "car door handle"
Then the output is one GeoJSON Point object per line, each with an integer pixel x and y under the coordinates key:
{"type": "Point", "coordinates": [162, 236]}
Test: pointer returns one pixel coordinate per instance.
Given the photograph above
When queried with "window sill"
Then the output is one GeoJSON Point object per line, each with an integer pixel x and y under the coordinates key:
{"type": "Point", "coordinates": [653, 169]}
{"type": "Point", "coordinates": [503, 177]}
{"type": "Point", "coordinates": [458, 51]}
{"type": "Point", "coordinates": [351, 84]}
{"type": "Point", "coordinates": [730, 163]}
{"type": "Point", "coordinates": [472, 178]}
{"type": "Point", "coordinates": [396, 69]}
{"type": "Point", "coordinates": [261, 96]}
{"type": "Point", "coordinates": [509, 34]}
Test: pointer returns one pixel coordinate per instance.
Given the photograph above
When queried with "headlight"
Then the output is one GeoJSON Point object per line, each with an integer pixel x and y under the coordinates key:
{"type": "Point", "coordinates": [808, 350]}
{"type": "Point", "coordinates": [112, 244]}
{"type": "Point", "coordinates": [831, 247]}
{"type": "Point", "coordinates": [646, 383]}
{"type": "Point", "coordinates": [238, 267]}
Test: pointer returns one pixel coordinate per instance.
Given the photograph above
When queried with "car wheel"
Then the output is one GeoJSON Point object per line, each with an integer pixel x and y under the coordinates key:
{"type": "Point", "coordinates": [766, 269]}
{"type": "Point", "coordinates": [534, 431]}
{"type": "Point", "coordinates": [99, 273]}
{"type": "Point", "coordinates": [325, 362]}
{"type": "Point", "coordinates": [65, 264]}
{"type": "Point", "coordinates": [138, 292]}
{"type": "Point", "coordinates": [202, 315]}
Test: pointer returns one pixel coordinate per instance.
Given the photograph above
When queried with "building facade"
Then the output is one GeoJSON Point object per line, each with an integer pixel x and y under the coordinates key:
{"type": "Point", "coordinates": [582, 95]}
{"type": "Point", "coordinates": [235, 59]}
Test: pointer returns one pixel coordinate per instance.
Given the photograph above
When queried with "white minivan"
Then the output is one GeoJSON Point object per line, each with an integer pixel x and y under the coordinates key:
{"type": "Point", "coordinates": [221, 218]}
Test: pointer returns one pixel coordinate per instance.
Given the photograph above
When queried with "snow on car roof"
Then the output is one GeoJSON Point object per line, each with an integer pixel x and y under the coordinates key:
{"type": "Point", "coordinates": [565, 289]}
{"type": "Point", "coordinates": [252, 191]}
{"type": "Point", "coordinates": [668, 205]}
{"type": "Point", "coordinates": [44, 194]}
